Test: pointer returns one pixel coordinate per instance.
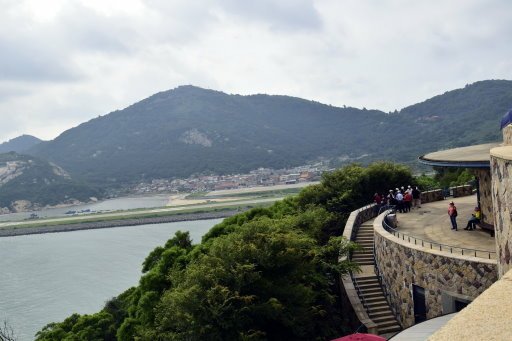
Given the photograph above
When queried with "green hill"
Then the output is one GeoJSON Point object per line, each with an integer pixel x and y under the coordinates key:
{"type": "Point", "coordinates": [27, 182]}
{"type": "Point", "coordinates": [191, 130]}
{"type": "Point", "coordinates": [19, 144]}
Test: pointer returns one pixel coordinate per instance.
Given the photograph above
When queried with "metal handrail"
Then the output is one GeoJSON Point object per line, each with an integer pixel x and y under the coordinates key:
{"type": "Point", "coordinates": [438, 246]}
{"type": "Point", "coordinates": [355, 230]}
{"type": "Point", "coordinates": [359, 293]}
{"type": "Point", "coordinates": [386, 207]}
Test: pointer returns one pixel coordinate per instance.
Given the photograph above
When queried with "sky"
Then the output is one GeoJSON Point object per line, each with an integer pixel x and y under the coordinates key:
{"type": "Point", "coordinates": [64, 62]}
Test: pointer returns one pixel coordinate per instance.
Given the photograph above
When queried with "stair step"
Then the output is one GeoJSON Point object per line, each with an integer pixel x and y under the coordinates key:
{"type": "Point", "coordinates": [366, 285]}
{"type": "Point", "coordinates": [374, 309]}
{"type": "Point", "coordinates": [367, 295]}
{"type": "Point", "coordinates": [367, 279]}
{"type": "Point", "coordinates": [363, 260]}
{"type": "Point", "coordinates": [390, 329]}
{"type": "Point", "coordinates": [366, 262]}
{"type": "Point", "coordinates": [376, 299]}
{"type": "Point", "coordinates": [382, 313]}
{"type": "Point", "coordinates": [363, 252]}
{"type": "Point", "coordinates": [368, 252]}
{"type": "Point", "coordinates": [372, 290]}
{"type": "Point", "coordinates": [382, 320]}
{"type": "Point", "coordinates": [362, 256]}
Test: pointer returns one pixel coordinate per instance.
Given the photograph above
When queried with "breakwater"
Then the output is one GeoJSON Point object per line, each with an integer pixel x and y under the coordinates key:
{"type": "Point", "coordinates": [19, 231]}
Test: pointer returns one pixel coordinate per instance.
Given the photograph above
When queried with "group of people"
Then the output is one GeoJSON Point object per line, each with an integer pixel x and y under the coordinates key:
{"type": "Point", "coordinates": [472, 222]}
{"type": "Point", "coordinates": [403, 199]}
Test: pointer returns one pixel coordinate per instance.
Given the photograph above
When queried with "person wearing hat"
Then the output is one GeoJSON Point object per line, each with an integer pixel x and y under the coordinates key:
{"type": "Point", "coordinates": [475, 219]}
{"type": "Point", "coordinates": [452, 212]}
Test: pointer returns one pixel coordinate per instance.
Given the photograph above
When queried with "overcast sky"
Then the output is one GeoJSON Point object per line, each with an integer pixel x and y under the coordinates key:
{"type": "Point", "coordinates": [63, 62]}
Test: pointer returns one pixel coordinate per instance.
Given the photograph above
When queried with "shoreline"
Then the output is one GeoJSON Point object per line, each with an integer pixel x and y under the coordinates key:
{"type": "Point", "coordinates": [22, 231]}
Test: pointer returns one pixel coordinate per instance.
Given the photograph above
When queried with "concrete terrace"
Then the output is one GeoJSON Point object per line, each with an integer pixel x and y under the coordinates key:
{"type": "Point", "coordinates": [431, 223]}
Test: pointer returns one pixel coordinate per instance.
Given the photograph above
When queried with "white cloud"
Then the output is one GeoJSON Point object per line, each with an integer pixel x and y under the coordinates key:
{"type": "Point", "coordinates": [65, 62]}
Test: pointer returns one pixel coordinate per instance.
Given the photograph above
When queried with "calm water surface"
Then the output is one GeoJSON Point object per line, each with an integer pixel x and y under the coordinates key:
{"type": "Point", "coordinates": [45, 278]}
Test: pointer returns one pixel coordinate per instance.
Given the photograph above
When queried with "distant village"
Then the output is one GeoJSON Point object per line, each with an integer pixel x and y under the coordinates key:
{"type": "Point", "coordinates": [256, 178]}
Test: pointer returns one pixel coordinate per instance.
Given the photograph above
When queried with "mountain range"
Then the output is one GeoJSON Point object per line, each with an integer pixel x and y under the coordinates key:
{"type": "Point", "coordinates": [190, 130]}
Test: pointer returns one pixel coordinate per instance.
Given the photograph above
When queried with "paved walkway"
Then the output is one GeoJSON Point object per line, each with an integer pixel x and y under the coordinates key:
{"type": "Point", "coordinates": [431, 223]}
{"type": "Point", "coordinates": [421, 331]}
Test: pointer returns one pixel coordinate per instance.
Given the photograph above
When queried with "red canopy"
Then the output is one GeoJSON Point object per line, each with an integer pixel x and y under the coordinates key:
{"type": "Point", "coordinates": [360, 337]}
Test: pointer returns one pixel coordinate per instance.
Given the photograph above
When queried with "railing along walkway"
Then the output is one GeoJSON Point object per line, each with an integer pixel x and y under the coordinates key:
{"type": "Point", "coordinates": [434, 245]}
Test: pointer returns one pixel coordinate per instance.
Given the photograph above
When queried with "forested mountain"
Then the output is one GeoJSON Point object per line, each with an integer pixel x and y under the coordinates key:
{"type": "Point", "coordinates": [27, 182]}
{"type": "Point", "coordinates": [19, 144]}
{"type": "Point", "coordinates": [191, 130]}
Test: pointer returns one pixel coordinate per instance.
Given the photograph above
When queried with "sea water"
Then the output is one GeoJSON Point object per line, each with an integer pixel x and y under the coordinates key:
{"type": "Point", "coordinates": [45, 278]}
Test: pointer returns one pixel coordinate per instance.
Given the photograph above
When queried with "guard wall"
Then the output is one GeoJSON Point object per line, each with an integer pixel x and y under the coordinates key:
{"type": "Point", "coordinates": [485, 190]}
{"type": "Point", "coordinates": [440, 273]}
{"type": "Point", "coordinates": [501, 168]}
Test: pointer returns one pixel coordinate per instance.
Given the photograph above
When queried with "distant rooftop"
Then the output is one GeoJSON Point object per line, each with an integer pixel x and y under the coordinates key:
{"type": "Point", "coordinates": [477, 156]}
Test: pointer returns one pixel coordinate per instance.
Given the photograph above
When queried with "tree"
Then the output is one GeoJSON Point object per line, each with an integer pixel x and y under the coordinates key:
{"type": "Point", "coordinates": [268, 280]}
{"type": "Point", "coordinates": [6, 332]}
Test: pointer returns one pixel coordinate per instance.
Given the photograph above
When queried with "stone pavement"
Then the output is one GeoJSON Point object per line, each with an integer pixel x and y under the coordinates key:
{"type": "Point", "coordinates": [431, 223]}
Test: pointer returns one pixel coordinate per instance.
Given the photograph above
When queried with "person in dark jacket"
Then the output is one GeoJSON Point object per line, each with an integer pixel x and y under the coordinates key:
{"type": "Point", "coordinates": [416, 198]}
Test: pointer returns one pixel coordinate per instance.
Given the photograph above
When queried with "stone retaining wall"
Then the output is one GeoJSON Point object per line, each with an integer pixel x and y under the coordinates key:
{"type": "Point", "coordinates": [461, 191]}
{"type": "Point", "coordinates": [430, 196]}
{"type": "Point", "coordinates": [501, 168]}
{"type": "Point", "coordinates": [485, 189]}
{"type": "Point", "coordinates": [439, 273]}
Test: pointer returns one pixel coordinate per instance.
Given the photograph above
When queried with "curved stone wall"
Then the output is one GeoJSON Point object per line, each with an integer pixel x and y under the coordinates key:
{"type": "Point", "coordinates": [485, 185]}
{"type": "Point", "coordinates": [441, 274]}
{"type": "Point", "coordinates": [501, 168]}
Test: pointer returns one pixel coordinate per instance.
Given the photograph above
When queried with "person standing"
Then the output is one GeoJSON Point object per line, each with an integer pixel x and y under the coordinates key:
{"type": "Point", "coordinates": [377, 199]}
{"type": "Point", "coordinates": [407, 201]}
{"type": "Point", "coordinates": [452, 212]}
{"type": "Point", "coordinates": [399, 202]}
{"type": "Point", "coordinates": [416, 197]}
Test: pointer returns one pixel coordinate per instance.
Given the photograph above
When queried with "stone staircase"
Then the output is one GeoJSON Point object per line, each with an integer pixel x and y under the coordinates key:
{"type": "Point", "coordinates": [367, 284]}
{"type": "Point", "coordinates": [365, 239]}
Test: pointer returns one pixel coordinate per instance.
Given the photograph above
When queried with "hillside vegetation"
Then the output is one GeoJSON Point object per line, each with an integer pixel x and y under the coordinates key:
{"type": "Point", "coordinates": [266, 274]}
{"type": "Point", "coordinates": [190, 130]}
{"type": "Point", "coordinates": [19, 144]}
{"type": "Point", "coordinates": [27, 182]}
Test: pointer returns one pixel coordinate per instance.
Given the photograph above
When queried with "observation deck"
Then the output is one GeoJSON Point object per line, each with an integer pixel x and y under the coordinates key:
{"type": "Point", "coordinates": [431, 223]}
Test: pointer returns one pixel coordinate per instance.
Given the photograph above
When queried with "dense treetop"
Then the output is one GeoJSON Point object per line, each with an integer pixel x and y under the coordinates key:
{"type": "Point", "coordinates": [266, 274]}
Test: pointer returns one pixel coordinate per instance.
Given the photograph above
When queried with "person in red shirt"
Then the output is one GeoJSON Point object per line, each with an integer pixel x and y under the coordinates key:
{"type": "Point", "coordinates": [452, 212]}
{"type": "Point", "coordinates": [377, 199]}
{"type": "Point", "coordinates": [407, 201]}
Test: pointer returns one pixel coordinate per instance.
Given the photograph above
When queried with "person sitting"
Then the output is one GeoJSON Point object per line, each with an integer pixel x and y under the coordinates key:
{"type": "Point", "coordinates": [475, 219]}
